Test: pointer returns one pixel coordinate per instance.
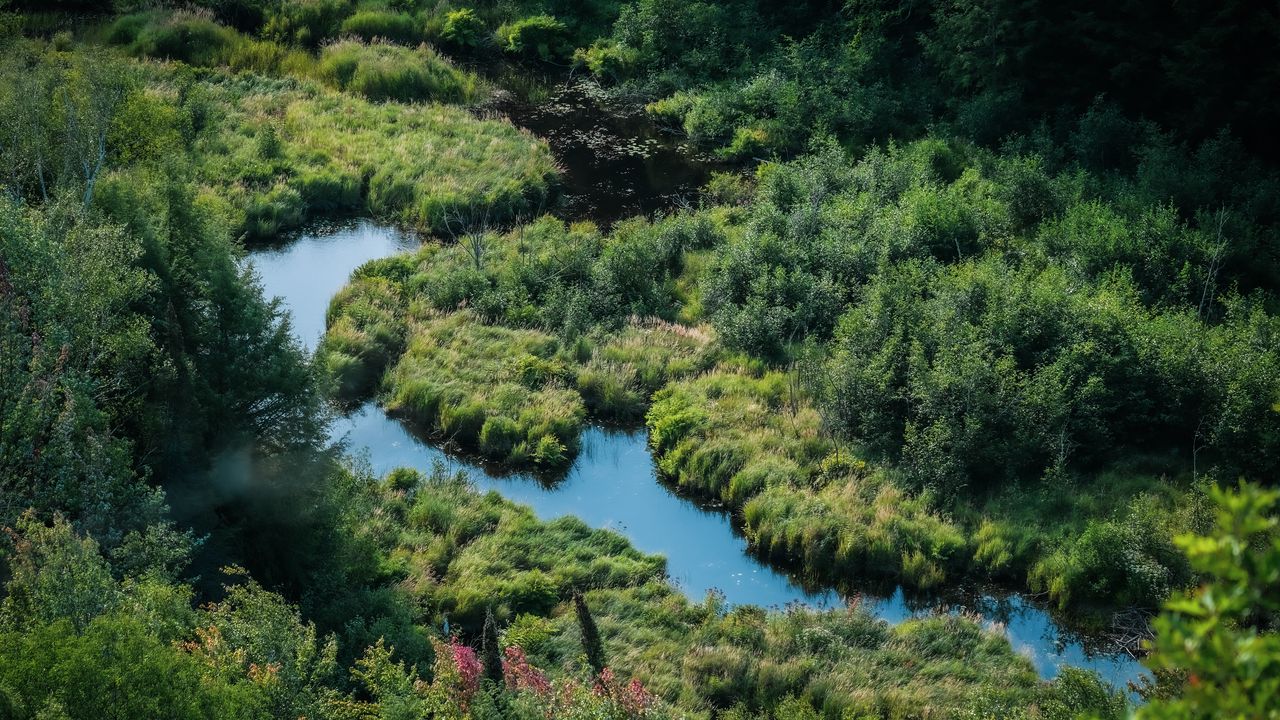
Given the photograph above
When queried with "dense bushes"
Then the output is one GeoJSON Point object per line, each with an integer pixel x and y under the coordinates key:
{"type": "Point", "coordinates": [462, 28]}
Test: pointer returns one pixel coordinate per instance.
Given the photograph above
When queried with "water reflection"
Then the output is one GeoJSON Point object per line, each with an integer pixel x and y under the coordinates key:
{"type": "Point", "coordinates": [305, 269]}
{"type": "Point", "coordinates": [613, 485]}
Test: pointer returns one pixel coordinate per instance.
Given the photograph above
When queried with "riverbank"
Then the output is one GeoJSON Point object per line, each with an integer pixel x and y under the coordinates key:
{"type": "Point", "coordinates": [613, 484]}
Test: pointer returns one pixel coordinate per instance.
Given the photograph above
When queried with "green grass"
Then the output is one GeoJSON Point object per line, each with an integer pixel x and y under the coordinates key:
{"type": "Point", "coordinates": [462, 554]}
{"type": "Point", "coordinates": [753, 441]}
{"type": "Point", "coordinates": [453, 294]}
{"type": "Point", "coordinates": [382, 71]}
{"type": "Point", "coordinates": [381, 24]}
{"type": "Point", "coordinates": [282, 151]}
{"type": "Point", "coordinates": [503, 392]}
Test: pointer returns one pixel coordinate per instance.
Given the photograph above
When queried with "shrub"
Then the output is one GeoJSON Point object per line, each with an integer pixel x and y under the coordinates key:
{"type": "Point", "coordinates": [541, 36]}
{"type": "Point", "coordinates": [606, 59]}
{"type": "Point", "coordinates": [463, 28]}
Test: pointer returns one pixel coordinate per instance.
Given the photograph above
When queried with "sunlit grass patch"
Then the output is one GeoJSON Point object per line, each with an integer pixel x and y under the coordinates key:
{"type": "Point", "coordinates": [500, 391]}
{"type": "Point", "coordinates": [283, 150]}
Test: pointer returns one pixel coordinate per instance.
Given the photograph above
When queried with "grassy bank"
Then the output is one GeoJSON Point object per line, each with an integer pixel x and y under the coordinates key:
{"type": "Point", "coordinates": [462, 554]}
{"type": "Point", "coordinates": [281, 151]}
{"type": "Point", "coordinates": [453, 335]}
{"type": "Point", "coordinates": [894, 368]}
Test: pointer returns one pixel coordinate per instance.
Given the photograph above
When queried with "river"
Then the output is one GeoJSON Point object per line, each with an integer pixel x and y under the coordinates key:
{"type": "Point", "coordinates": [613, 482]}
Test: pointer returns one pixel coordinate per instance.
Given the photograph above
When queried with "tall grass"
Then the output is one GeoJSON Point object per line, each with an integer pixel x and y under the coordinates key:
{"type": "Point", "coordinates": [386, 25]}
{"type": "Point", "coordinates": [381, 71]}
{"type": "Point", "coordinates": [281, 150]}
{"type": "Point", "coordinates": [462, 554]}
{"type": "Point", "coordinates": [754, 441]}
{"type": "Point", "coordinates": [500, 391]}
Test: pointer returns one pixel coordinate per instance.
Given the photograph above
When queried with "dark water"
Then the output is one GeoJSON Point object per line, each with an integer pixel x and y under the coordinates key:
{"type": "Point", "coordinates": [613, 483]}
{"type": "Point", "coordinates": [615, 162]}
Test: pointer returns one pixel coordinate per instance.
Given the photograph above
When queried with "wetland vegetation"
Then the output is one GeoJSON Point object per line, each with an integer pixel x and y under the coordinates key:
{"type": "Point", "coordinates": [961, 304]}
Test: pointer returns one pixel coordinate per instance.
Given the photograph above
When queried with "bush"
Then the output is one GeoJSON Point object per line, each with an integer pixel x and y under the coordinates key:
{"type": "Point", "coordinates": [463, 28]}
{"type": "Point", "coordinates": [607, 60]}
{"type": "Point", "coordinates": [541, 37]}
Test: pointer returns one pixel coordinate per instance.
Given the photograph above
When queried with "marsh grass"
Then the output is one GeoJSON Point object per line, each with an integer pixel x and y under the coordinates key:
{"type": "Point", "coordinates": [282, 150]}
{"type": "Point", "coordinates": [462, 554]}
{"type": "Point", "coordinates": [753, 440]}
{"type": "Point", "coordinates": [382, 71]}
{"type": "Point", "coordinates": [500, 391]}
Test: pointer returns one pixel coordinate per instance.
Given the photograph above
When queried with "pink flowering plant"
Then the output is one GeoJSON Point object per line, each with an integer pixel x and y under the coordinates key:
{"type": "Point", "coordinates": [457, 671]}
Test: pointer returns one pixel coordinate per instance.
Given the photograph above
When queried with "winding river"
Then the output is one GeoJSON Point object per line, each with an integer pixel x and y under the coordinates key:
{"type": "Point", "coordinates": [613, 483]}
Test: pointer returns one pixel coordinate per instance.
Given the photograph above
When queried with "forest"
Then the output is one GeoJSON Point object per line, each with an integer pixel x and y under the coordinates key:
{"type": "Point", "coordinates": [974, 297]}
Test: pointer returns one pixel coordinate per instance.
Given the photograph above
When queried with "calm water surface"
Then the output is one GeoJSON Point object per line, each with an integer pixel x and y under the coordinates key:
{"type": "Point", "coordinates": [615, 162]}
{"type": "Point", "coordinates": [613, 483]}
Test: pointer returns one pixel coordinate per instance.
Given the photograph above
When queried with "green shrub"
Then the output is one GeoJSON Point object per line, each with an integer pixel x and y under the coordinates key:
{"type": "Point", "coordinates": [463, 28]}
{"type": "Point", "coordinates": [541, 36]}
{"type": "Point", "coordinates": [606, 59]}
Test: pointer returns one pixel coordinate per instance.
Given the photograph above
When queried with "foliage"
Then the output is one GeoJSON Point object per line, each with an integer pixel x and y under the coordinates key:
{"type": "Point", "coordinates": [496, 390]}
{"type": "Point", "coordinates": [527, 279]}
{"type": "Point", "coordinates": [540, 36]}
{"type": "Point", "coordinates": [1221, 639]}
{"type": "Point", "coordinates": [463, 28]}
{"type": "Point", "coordinates": [370, 25]}
{"type": "Point", "coordinates": [442, 168]}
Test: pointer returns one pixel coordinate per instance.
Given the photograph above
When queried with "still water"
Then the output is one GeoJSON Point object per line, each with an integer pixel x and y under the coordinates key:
{"type": "Point", "coordinates": [613, 483]}
{"type": "Point", "coordinates": [615, 163]}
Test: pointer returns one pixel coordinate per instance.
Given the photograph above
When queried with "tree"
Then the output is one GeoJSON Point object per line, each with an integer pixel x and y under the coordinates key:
{"type": "Point", "coordinates": [591, 643]}
{"type": "Point", "coordinates": [55, 575]}
{"type": "Point", "coordinates": [1222, 639]}
{"type": "Point", "coordinates": [492, 650]}
{"type": "Point", "coordinates": [90, 97]}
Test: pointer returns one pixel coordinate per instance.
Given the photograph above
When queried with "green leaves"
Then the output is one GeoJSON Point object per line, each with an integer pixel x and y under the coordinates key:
{"type": "Point", "coordinates": [1221, 638]}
